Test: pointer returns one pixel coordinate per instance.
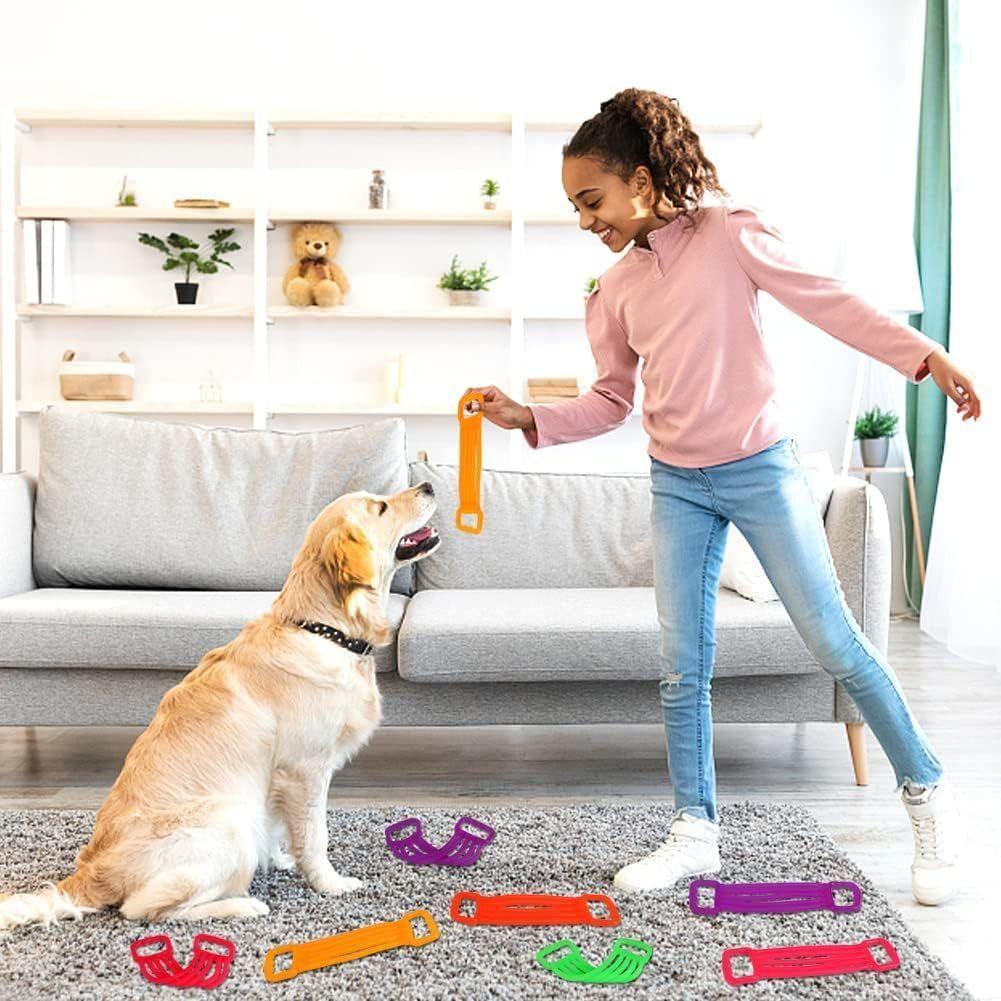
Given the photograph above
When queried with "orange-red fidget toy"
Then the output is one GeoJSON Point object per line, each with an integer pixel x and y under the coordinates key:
{"type": "Point", "coordinates": [470, 464]}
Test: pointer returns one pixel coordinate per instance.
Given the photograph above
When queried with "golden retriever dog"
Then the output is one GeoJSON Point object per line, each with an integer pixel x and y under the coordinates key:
{"type": "Point", "coordinates": [238, 758]}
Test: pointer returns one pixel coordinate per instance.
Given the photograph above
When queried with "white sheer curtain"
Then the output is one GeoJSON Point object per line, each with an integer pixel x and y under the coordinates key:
{"type": "Point", "coordinates": [962, 596]}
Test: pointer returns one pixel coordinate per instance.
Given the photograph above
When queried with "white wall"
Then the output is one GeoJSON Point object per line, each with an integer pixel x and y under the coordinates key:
{"type": "Point", "coordinates": [836, 84]}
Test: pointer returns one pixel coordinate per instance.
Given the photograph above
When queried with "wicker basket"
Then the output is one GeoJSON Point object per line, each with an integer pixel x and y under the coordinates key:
{"type": "Point", "coordinates": [96, 380]}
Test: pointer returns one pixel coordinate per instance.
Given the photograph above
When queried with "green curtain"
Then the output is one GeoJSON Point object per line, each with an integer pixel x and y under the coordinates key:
{"type": "Point", "coordinates": [925, 407]}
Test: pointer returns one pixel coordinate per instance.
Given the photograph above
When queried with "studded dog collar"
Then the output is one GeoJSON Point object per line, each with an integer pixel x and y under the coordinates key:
{"type": "Point", "coordinates": [336, 636]}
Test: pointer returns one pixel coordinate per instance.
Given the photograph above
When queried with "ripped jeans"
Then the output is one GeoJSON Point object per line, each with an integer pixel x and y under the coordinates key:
{"type": "Point", "coordinates": [768, 498]}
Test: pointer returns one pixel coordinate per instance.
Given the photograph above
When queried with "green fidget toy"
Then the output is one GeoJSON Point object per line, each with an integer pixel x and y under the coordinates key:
{"type": "Point", "coordinates": [624, 963]}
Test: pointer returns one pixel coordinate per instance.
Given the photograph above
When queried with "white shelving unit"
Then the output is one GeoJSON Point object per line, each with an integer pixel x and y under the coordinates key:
{"type": "Point", "coordinates": [264, 217]}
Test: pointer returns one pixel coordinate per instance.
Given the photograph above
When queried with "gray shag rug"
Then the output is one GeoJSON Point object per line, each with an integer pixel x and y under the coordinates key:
{"type": "Point", "coordinates": [565, 849]}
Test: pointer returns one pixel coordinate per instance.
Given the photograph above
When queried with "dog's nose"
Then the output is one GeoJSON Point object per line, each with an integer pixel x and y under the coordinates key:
{"type": "Point", "coordinates": [427, 488]}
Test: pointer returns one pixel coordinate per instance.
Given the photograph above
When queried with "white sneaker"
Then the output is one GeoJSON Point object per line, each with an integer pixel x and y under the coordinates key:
{"type": "Point", "coordinates": [937, 833]}
{"type": "Point", "coordinates": [691, 849]}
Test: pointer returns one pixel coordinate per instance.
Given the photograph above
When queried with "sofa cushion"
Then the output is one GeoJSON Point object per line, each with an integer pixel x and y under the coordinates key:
{"type": "Point", "coordinates": [79, 627]}
{"type": "Point", "coordinates": [131, 502]}
{"type": "Point", "coordinates": [540, 530]}
{"type": "Point", "coordinates": [576, 634]}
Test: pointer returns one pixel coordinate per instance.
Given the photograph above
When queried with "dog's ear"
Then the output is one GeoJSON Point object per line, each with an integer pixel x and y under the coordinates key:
{"type": "Point", "coordinates": [349, 555]}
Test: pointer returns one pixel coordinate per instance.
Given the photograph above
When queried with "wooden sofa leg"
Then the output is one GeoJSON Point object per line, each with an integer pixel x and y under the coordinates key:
{"type": "Point", "coordinates": [856, 744]}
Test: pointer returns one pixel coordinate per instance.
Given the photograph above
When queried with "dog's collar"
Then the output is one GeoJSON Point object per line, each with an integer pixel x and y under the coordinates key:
{"type": "Point", "coordinates": [335, 635]}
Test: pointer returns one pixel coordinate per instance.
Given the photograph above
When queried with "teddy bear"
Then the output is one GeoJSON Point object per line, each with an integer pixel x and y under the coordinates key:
{"type": "Point", "coordinates": [315, 278]}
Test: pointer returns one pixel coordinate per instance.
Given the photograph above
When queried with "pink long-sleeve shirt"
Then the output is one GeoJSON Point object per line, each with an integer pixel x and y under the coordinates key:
{"type": "Point", "coordinates": [688, 307]}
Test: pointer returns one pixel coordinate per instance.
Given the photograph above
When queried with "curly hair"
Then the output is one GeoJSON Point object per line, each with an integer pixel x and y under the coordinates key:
{"type": "Point", "coordinates": [641, 127]}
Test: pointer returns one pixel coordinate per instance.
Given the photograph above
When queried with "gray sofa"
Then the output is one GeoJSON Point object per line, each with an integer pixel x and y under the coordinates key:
{"type": "Point", "coordinates": [142, 544]}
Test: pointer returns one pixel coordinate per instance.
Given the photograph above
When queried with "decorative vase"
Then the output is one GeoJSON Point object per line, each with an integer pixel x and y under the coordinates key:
{"type": "Point", "coordinates": [465, 297]}
{"type": "Point", "coordinates": [488, 202]}
{"type": "Point", "coordinates": [187, 292]}
{"type": "Point", "coordinates": [378, 192]}
{"type": "Point", "coordinates": [874, 451]}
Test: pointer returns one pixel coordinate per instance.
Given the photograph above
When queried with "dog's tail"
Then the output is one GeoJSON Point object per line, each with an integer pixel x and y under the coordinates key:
{"type": "Point", "coordinates": [70, 898]}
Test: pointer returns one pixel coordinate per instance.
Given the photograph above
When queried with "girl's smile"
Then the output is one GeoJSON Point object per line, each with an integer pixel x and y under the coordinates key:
{"type": "Point", "coordinates": [615, 211]}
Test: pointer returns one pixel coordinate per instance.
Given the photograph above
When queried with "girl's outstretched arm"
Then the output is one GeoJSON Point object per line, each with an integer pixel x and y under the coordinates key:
{"type": "Point", "coordinates": [823, 300]}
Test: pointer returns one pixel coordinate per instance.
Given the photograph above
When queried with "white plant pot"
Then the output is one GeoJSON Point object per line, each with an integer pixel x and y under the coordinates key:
{"type": "Point", "coordinates": [465, 297]}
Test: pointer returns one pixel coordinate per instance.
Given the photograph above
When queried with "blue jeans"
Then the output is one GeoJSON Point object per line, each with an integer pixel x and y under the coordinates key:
{"type": "Point", "coordinates": [768, 497]}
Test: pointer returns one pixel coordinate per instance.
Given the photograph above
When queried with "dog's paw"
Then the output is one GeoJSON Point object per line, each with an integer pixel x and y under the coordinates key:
{"type": "Point", "coordinates": [250, 907]}
{"type": "Point", "coordinates": [281, 859]}
{"type": "Point", "coordinates": [330, 881]}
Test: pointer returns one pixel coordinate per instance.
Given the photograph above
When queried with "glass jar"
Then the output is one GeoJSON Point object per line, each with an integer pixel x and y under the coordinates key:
{"type": "Point", "coordinates": [378, 193]}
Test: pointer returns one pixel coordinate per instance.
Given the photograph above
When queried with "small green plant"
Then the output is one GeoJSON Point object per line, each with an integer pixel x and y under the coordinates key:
{"type": "Point", "coordinates": [490, 188]}
{"type": "Point", "coordinates": [876, 423]}
{"type": "Point", "coordinates": [473, 280]}
{"type": "Point", "coordinates": [125, 195]}
{"type": "Point", "coordinates": [185, 251]}
{"type": "Point", "coordinates": [592, 284]}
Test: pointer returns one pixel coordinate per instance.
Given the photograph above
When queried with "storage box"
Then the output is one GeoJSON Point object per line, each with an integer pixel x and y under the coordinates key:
{"type": "Point", "coordinates": [96, 380]}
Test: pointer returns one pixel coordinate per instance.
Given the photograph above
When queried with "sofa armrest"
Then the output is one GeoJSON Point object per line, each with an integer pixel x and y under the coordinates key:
{"type": "Point", "coordinates": [858, 532]}
{"type": "Point", "coordinates": [17, 513]}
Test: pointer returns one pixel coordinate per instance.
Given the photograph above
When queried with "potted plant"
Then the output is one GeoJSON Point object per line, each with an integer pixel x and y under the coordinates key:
{"type": "Point", "coordinates": [127, 193]}
{"type": "Point", "coordinates": [185, 255]}
{"type": "Point", "coordinates": [874, 429]}
{"type": "Point", "coordinates": [592, 284]}
{"type": "Point", "coordinates": [465, 287]}
{"type": "Point", "coordinates": [489, 191]}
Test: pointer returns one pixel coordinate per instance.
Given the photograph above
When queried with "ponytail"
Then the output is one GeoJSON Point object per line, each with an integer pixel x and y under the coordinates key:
{"type": "Point", "coordinates": [641, 127]}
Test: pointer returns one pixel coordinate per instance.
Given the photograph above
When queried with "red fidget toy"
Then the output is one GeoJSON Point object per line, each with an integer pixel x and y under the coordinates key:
{"type": "Point", "coordinates": [211, 958]}
{"type": "Point", "coordinates": [535, 909]}
{"type": "Point", "coordinates": [808, 961]}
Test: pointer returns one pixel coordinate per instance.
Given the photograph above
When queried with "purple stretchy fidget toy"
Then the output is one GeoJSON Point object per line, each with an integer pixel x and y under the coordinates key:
{"type": "Point", "coordinates": [463, 848]}
{"type": "Point", "coordinates": [772, 898]}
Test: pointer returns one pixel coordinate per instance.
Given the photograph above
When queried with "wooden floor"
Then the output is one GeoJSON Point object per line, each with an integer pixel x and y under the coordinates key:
{"type": "Point", "coordinates": [958, 704]}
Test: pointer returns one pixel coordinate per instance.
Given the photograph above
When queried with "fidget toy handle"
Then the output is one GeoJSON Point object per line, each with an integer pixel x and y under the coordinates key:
{"type": "Point", "coordinates": [470, 464]}
{"type": "Point", "coordinates": [350, 945]}
{"type": "Point", "coordinates": [772, 898]}
{"type": "Point", "coordinates": [808, 961]}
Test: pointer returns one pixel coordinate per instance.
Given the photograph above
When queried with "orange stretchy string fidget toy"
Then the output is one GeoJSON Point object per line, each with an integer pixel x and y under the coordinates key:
{"type": "Point", "coordinates": [355, 944]}
{"type": "Point", "coordinates": [470, 463]}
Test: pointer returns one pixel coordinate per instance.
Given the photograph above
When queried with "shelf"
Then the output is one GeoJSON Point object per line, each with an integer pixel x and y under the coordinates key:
{"type": "Point", "coordinates": [332, 408]}
{"type": "Point", "coordinates": [137, 119]}
{"type": "Point", "coordinates": [425, 217]}
{"type": "Point", "coordinates": [278, 311]}
{"type": "Point", "coordinates": [316, 313]}
{"type": "Point", "coordinates": [434, 121]}
{"type": "Point", "coordinates": [137, 213]}
{"type": "Point", "coordinates": [500, 122]}
{"type": "Point", "coordinates": [395, 217]}
{"type": "Point", "coordinates": [139, 406]}
{"type": "Point", "coordinates": [166, 312]}
{"type": "Point", "coordinates": [749, 127]}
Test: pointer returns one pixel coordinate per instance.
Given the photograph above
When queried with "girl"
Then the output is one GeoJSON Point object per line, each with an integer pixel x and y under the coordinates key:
{"type": "Point", "coordinates": [684, 299]}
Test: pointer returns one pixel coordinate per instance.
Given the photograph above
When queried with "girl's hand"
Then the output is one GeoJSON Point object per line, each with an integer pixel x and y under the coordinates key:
{"type": "Point", "coordinates": [955, 383]}
{"type": "Point", "coordinates": [500, 409]}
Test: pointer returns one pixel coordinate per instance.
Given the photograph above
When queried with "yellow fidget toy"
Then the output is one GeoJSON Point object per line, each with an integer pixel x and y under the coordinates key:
{"type": "Point", "coordinates": [355, 944]}
{"type": "Point", "coordinates": [470, 464]}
